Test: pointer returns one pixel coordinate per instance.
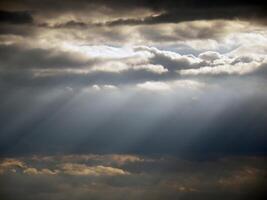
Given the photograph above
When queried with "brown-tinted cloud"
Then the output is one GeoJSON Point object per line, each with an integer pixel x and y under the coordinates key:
{"type": "Point", "coordinates": [157, 177]}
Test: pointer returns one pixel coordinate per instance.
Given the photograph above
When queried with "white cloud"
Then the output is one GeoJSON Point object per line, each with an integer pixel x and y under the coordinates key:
{"type": "Point", "coordinates": [100, 87]}
{"type": "Point", "coordinates": [154, 86]}
{"type": "Point", "coordinates": [188, 84]}
{"type": "Point", "coordinates": [114, 67]}
{"type": "Point", "coordinates": [209, 56]}
{"type": "Point", "coordinates": [109, 87]}
{"type": "Point", "coordinates": [96, 87]}
{"type": "Point", "coordinates": [238, 69]}
{"type": "Point", "coordinates": [166, 56]}
{"type": "Point", "coordinates": [158, 69]}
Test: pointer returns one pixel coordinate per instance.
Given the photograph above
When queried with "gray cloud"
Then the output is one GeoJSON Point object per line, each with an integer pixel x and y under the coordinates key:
{"type": "Point", "coordinates": [171, 60]}
{"type": "Point", "coordinates": [19, 30]}
{"type": "Point", "coordinates": [37, 58]}
{"type": "Point", "coordinates": [36, 67]}
{"type": "Point", "coordinates": [191, 14]}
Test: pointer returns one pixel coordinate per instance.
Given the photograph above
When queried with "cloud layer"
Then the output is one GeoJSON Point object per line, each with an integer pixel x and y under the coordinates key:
{"type": "Point", "coordinates": [81, 176]}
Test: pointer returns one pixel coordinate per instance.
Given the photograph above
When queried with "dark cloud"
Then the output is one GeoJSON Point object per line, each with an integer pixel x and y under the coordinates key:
{"type": "Point", "coordinates": [18, 57]}
{"type": "Point", "coordinates": [15, 17]}
{"type": "Point", "coordinates": [191, 14]}
{"type": "Point", "coordinates": [173, 11]}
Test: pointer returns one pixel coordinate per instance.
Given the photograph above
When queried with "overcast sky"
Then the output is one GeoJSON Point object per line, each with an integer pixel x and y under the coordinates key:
{"type": "Point", "coordinates": [133, 99]}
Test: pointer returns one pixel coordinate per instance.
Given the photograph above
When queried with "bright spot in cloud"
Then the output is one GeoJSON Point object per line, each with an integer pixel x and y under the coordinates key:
{"type": "Point", "coordinates": [100, 51]}
{"type": "Point", "coordinates": [154, 86]}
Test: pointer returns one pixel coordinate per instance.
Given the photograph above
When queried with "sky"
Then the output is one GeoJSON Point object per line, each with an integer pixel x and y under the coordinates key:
{"type": "Point", "coordinates": [133, 99]}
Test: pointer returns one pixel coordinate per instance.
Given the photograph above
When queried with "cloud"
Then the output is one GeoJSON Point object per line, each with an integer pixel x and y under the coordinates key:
{"type": "Point", "coordinates": [83, 170]}
{"type": "Point", "coordinates": [97, 87]}
{"type": "Point", "coordinates": [124, 159]}
{"type": "Point", "coordinates": [190, 15]}
{"type": "Point", "coordinates": [193, 30]}
{"type": "Point", "coordinates": [9, 164]}
{"type": "Point", "coordinates": [170, 60]}
{"type": "Point", "coordinates": [160, 34]}
{"type": "Point", "coordinates": [52, 67]}
{"type": "Point", "coordinates": [12, 165]}
{"type": "Point", "coordinates": [147, 12]}
{"type": "Point", "coordinates": [48, 65]}
{"type": "Point", "coordinates": [226, 69]}
{"type": "Point", "coordinates": [15, 17]}
{"type": "Point", "coordinates": [209, 56]}
{"type": "Point", "coordinates": [161, 177]}
{"type": "Point", "coordinates": [188, 84]}
{"type": "Point", "coordinates": [154, 86]}
{"type": "Point", "coordinates": [114, 67]}
{"type": "Point", "coordinates": [10, 33]}
{"type": "Point", "coordinates": [37, 58]}
{"type": "Point", "coordinates": [110, 87]}
{"type": "Point", "coordinates": [240, 178]}
{"type": "Point", "coordinates": [93, 159]}
{"type": "Point", "coordinates": [69, 168]}
{"type": "Point", "coordinates": [34, 171]}
{"type": "Point", "coordinates": [158, 69]}
{"type": "Point", "coordinates": [144, 103]}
